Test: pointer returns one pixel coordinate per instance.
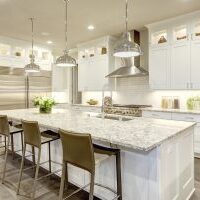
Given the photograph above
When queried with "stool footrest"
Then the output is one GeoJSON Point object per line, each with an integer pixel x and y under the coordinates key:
{"type": "Point", "coordinates": [47, 175]}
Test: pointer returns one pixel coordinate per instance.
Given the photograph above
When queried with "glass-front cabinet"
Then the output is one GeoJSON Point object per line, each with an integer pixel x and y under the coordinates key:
{"type": "Point", "coordinates": [180, 33]}
{"type": "Point", "coordinates": [159, 37]}
{"type": "Point", "coordinates": [196, 30]}
{"type": "Point", "coordinates": [5, 49]}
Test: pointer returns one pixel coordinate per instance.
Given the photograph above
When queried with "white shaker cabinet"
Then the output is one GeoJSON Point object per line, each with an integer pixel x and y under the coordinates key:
{"type": "Point", "coordinates": [159, 62]}
{"type": "Point", "coordinates": [83, 75]}
{"type": "Point", "coordinates": [180, 65]}
{"type": "Point", "coordinates": [195, 64]}
{"type": "Point", "coordinates": [181, 68]}
{"type": "Point", "coordinates": [95, 61]}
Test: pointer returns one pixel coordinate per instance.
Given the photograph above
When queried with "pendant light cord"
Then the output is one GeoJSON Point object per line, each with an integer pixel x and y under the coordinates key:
{"type": "Point", "coordinates": [126, 20]}
{"type": "Point", "coordinates": [32, 56]}
{"type": "Point", "coordinates": [66, 10]}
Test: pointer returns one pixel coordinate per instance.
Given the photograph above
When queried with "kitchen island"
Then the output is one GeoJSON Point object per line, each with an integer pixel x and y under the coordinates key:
{"type": "Point", "coordinates": [157, 155]}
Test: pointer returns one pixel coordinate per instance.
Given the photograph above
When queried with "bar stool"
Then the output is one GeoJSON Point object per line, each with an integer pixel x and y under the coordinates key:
{"type": "Point", "coordinates": [79, 151]}
{"type": "Point", "coordinates": [35, 138]}
{"type": "Point", "coordinates": [8, 131]}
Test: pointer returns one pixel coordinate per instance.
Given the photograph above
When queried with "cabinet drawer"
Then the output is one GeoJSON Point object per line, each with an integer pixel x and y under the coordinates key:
{"type": "Point", "coordinates": [157, 115]}
{"type": "Point", "coordinates": [185, 117]}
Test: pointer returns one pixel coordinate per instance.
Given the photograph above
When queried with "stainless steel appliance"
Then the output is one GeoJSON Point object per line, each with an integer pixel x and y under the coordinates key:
{"type": "Point", "coordinates": [17, 89]}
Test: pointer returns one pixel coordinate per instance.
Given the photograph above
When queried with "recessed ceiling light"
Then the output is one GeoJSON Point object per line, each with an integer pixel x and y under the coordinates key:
{"type": "Point", "coordinates": [45, 33]}
{"type": "Point", "coordinates": [49, 42]}
{"type": "Point", "coordinates": [90, 27]}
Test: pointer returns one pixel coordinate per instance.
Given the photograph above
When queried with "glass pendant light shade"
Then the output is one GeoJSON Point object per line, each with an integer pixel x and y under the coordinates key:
{"type": "Point", "coordinates": [126, 48]}
{"type": "Point", "coordinates": [65, 60]}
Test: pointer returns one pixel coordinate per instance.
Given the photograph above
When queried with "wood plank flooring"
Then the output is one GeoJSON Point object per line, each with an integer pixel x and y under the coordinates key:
{"type": "Point", "coordinates": [48, 188]}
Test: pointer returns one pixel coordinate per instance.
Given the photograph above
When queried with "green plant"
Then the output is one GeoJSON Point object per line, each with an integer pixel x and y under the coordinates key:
{"type": "Point", "coordinates": [44, 103]}
{"type": "Point", "coordinates": [193, 103]}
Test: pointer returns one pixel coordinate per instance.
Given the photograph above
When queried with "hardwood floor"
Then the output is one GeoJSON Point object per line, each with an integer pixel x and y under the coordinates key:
{"type": "Point", "coordinates": [48, 188]}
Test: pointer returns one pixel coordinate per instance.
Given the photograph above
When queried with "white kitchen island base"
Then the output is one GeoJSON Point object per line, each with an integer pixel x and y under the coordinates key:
{"type": "Point", "coordinates": [164, 173]}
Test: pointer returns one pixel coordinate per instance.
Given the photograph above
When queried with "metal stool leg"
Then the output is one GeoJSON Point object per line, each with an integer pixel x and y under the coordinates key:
{"type": "Point", "coordinates": [66, 177]}
{"type": "Point", "coordinates": [91, 195]}
{"type": "Point", "coordinates": [5, 143]}
{"type": "Point", "coordinates": [6, 157]}
{"type": "Point", "coordinates": [62, 184]}
{"type": "Point", "coordinates": [118, 170]}
{"type": "Point", "coordinates": [36, 173]}
{"type": "Point", "coordinates": [33, 157]}
{"type": "Point", "coordinates": [22, 141]}
{"type": "Point", "coordinates": [12, 146]}
{"type": "Point", "coordinates": [21, 168]}
{"type": "Point", "coordinates": [49, 145]}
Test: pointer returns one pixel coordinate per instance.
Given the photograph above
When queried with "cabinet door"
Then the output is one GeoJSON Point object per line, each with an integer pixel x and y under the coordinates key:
{"type": "Point", "coordinates": [195, 64]}
{"type": "Point", "coordinates": [159, 66]}
{"type": "Point", "coordinates": [197, 138]}
{"type": "Point", "coordinates": [180, 66]}
{"type": "Point", "coordinates": [83, 76]}
{"type": "Point", "coordinates": [97, 72]}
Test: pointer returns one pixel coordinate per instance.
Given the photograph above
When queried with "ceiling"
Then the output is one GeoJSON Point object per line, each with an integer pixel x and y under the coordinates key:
{"type": "Point", "coordinates": [106, 15]}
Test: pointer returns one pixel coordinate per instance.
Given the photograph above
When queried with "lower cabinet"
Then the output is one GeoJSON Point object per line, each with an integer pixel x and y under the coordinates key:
{"type": "Point", "coordinates": [179, 117]}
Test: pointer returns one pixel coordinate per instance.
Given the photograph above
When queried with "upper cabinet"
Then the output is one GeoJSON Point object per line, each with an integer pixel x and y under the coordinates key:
{"type": "Point", "coordinates": [15, 53]}
{"type": "Point", "coordinates": [95, 61]}
{"type": "Point", "coordinates": [174, 47]}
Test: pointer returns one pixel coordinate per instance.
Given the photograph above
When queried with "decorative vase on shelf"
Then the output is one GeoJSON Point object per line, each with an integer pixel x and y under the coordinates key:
{"type": "Point", "coordinates": [45, 104]}
{"type": "Point", "coordinates": [162, 40]}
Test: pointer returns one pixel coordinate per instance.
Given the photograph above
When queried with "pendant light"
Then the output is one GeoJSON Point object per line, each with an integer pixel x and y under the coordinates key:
{"type": "Point", "coordinates": [65, 60]}
{"type": "Point", "coordinates": [32, 67]}
{"type": "Point", "coordinates": [126, 48]}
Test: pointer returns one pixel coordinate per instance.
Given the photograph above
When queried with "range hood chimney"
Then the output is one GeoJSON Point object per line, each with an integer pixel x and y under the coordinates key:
{"type": "Point", "coordinates": [130, 67]}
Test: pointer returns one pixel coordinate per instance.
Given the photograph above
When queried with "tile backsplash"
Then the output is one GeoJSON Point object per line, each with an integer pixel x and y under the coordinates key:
{"type": "Point", "coordinates": [136, 90]}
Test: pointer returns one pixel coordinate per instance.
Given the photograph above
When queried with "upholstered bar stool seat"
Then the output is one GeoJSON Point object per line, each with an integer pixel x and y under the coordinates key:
{"type": "Point", "coordinates": [79, 151]}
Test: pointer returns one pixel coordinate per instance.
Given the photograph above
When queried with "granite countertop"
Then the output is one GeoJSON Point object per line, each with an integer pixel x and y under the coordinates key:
{"type": "Point", "coordinates": [87, 105]}
{"type": "Point", "coordinates": [142, 134]}
{"type": "Point", "coordinates": [172, 110]}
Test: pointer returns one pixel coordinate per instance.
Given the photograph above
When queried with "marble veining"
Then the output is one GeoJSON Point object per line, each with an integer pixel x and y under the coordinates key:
{"type": "Point", "coordinates": [142, 134]}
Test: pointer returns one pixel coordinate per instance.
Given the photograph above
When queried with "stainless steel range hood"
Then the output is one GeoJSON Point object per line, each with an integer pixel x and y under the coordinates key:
{"type": "Point", "coordinates": [130, 67]}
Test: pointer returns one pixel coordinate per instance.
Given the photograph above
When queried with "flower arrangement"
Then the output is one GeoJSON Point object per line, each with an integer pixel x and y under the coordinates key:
{"type": "Point", "coordinates": [45, 104]}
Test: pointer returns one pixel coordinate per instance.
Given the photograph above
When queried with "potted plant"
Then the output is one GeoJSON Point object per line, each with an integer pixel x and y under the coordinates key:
{"type": "Point", "coordinates": [45, 104]}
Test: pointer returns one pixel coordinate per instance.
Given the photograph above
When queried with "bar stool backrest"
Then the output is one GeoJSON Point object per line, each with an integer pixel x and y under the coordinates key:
{"type": "Point", "coordinates": [78, 150]}
{"type": "Point", "coordinates": [32, 133]}
{"type": "Point", "coordinates": [4, 125]}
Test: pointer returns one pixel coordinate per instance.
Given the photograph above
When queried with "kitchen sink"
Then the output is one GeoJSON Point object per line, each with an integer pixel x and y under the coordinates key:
{"type": "Point", "coordinates": [114, 118]}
